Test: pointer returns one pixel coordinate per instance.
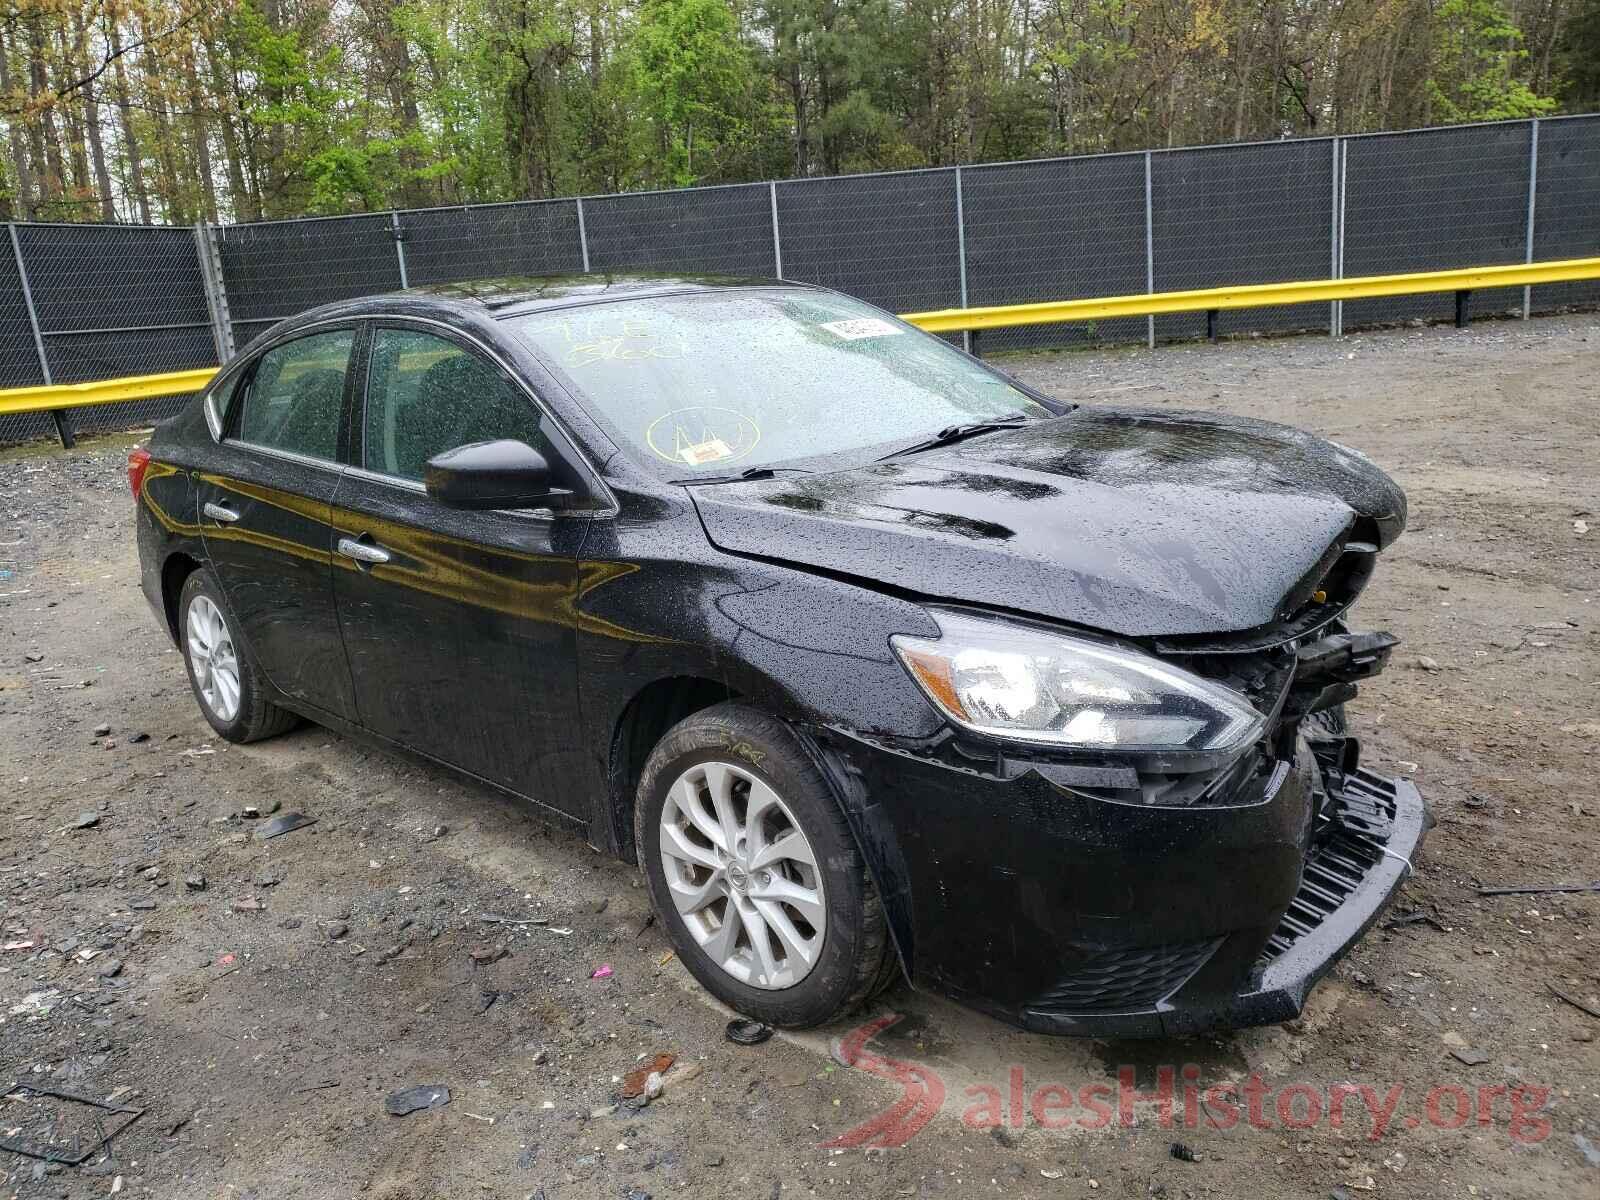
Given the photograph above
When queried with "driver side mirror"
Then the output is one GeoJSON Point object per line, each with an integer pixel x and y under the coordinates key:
{"type": "Point", "coordinates": [501, 474]}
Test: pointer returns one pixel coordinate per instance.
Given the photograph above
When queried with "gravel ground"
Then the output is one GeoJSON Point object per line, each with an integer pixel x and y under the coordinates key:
{"type": "Point", "coordinates": [259, 999]}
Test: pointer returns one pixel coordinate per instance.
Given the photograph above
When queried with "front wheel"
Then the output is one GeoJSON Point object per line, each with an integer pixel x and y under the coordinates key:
{"type": "Point", "coordinates": [223, 679]}
{"type": "Point", "coordinates": [753, 871]}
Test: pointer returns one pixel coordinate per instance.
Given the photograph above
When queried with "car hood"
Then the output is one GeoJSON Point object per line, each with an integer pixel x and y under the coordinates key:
{"type": "Point", "coordinates": [1136, 522]}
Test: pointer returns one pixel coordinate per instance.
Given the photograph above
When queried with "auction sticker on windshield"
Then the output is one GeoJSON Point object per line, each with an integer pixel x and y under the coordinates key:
{"type": "Point", "coordinates": [861, 327]}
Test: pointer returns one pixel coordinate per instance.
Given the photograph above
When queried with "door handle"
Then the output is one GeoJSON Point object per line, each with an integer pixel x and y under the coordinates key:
{"type": "Point", "coordinates": [363, 552]}
{"type": "Point", "coordinates": [219, 513]}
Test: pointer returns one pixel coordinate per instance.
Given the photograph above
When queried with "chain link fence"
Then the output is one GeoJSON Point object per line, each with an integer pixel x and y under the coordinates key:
{"type": "Point", "coordinates": [81, 302]}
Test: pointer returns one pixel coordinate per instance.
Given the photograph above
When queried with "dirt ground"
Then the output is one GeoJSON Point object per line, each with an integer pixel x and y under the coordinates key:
{"type": "Point", "coordinates": [259, 999]}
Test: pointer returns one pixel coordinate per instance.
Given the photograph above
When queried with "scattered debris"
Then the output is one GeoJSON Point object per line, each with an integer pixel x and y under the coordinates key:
{"type": "Point", "coordinates": [531, 922]}
{"type": "Point", "coordinates": [102, 729]}
{"type": "Point", "coordinates": [742, 1032]}
{"type": "Point", "coordinates": [195, 883]}
{"type": "Point", "coordinates": [318, 1086]}
{"type": "Point", "coordinates": [1427, 664]}
{"type": "Point", "coordinates": [635, 1082]}
{"type": "Point", "coordinates": [484, 955]}
{"type": "Point", "coordinates": [1183, 1154]}
{"type": "Point", "coordinates": [77, 1148]}
{"type": "Point", "coordinates": [248, 904]}
{"type": "Point", "coordinates": [603, 971]}
{"type": "Point", "coordinates": [1470, 1056]}
{"type": "Point", "coordinates": [111, 968]}
{"type": "Point", "coordinates": [486, 998]}
{"type": "Point", "coordinates": [1415, 918]}
{"type": "Point", "coordinates": [1537, 889]}
{"type": "Point", "coordinates": [1580, 1005]}
{"type": "Point", "coordinates": [1588, 1149]}
{"type": "Point", "coordinates": [135, 738]}
{"type": "Point", "coordinates": [86, 820]}
{"type": "Point", "coordinates": [416, 1099]}
{"type": "Point", "coordinates": [337, 930]}
{"type": "Point", "coordinates": [28, 945]}
{"type": "Point", "coordinates": [287, 823]}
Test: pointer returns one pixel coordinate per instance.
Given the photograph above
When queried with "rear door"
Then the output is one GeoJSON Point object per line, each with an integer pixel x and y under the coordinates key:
{"type": "Point", "coordinates": [458, 626]}
{"type": "Point", "coordinates": [266, 509]}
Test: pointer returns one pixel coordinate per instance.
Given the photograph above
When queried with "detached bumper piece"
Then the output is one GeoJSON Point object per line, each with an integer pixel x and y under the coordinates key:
{"type": "Point", "coordinates": [1360, 853]}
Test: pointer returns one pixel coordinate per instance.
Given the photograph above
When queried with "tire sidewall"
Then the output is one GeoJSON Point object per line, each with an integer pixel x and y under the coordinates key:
{"type": "Point", "coordinates": [783, 767]}
{"type": "Point", "coordinates": [203, 583]}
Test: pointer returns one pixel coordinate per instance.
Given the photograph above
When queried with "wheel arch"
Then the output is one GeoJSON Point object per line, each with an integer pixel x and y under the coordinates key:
{"type": "Point", "coordinates": [175, 572]}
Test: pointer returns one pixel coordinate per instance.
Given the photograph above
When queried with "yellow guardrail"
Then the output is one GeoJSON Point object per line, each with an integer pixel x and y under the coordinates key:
{"type": "Point", "coordinates": [104, 391]}
{"type": "Point", "coordinates": [1462, 281]}
{"type": "Point", "coordinates": [1254, 295]}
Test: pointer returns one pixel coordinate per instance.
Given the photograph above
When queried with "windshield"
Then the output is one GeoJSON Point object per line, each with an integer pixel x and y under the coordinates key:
{"type": "Point", "coordinates": [721, 382]}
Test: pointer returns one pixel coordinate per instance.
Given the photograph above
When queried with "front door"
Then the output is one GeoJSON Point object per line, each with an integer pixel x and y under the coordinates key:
{"type": "Point", "coordinates": [458, 626]}
{"type": "Point", "coordinates": [265, 513]}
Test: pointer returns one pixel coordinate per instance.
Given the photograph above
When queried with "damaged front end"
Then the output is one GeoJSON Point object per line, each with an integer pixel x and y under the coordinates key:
{"type": "Point", "coordinates": [1128, 895]}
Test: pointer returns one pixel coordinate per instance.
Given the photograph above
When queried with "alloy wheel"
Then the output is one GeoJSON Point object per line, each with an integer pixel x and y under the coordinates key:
{"type": "Point", "coordinates": [743, 875]}
{"type": "Point", "coordinates": [212, 658]}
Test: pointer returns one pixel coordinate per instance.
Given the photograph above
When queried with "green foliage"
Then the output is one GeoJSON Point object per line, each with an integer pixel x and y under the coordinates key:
{"type": "Point", "coordinates": [281, 107]}
{"type": "Point", "coordinates": [1477, 52]}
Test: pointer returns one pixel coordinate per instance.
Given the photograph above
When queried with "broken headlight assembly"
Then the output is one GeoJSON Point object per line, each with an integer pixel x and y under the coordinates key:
{"type": "Point", "coordinates": [1022, 683]}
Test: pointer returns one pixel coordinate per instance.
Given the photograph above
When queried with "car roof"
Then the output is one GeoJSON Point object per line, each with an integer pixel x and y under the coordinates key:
{"type": "Point", "coordinates": [513, 294]}
{"type": "Point", "coordinates": [531, 292]}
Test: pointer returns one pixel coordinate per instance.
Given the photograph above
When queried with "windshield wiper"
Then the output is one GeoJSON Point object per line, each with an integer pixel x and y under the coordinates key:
{"type": "Point", "coordinates": [951, 434]}
{"type": "Point", "coordinates": [741, 476]}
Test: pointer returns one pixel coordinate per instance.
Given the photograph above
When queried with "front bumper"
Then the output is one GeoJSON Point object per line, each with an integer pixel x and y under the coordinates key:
{"type": "Point", "coordinates": [1066, 914]}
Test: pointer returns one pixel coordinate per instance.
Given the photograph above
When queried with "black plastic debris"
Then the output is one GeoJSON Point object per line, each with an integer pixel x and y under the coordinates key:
{"type": "Point", "coordinates": [416, 1099]}
{"type": "Point", "coordinates": [1183, 1154]}
{"type": "Point", "coordinates": [66, 1146]}
{"type": "Point", "coordinates": [287, 823]}
{"type": "Point", "coordinates": [748, 1033]}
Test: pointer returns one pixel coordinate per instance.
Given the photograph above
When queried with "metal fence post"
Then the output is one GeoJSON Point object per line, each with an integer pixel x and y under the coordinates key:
{"type": "Point", "coordinates": [1333, 236]}
{"type": "Point", "coordinates": [961, 257]}
{"type": "Point", "coordinates": [1343, 150]}
{"type": "Point", "coordinates": [399, 246]}
{"type": "Point", "coordinates": [777, 238]}
{"type": "Point", "coordinates": [1533, 195]}
{"type": "Point", "coordinates": [205, 249]}
{"type": "Point", "coordinates": [1149, 251]}
{"type": "Point", "coordinates": [583, 237]}
{"type": "Point", "coordinates": [59, 416]}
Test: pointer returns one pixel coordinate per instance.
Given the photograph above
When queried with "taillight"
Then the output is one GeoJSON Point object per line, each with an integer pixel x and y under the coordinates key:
{"type": "Point", "coordinates": [138, 463]}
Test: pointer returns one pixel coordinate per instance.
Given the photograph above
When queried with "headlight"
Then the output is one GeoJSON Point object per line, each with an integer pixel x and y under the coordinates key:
{"type": "Point", "coordinates": [1013, 681]}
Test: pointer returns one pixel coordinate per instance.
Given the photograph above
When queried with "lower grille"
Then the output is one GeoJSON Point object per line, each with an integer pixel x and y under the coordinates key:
{"type": "Point", "coordinates": [1114, 980]}
{"type": "Point", "coordinates": [1352, 830]}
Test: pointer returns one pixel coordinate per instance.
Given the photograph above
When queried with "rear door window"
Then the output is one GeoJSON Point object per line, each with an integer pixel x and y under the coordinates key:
{"type": "Point", "coordinates": [295, 394]}
{"type": "Point", "coordinates": [427, 394]}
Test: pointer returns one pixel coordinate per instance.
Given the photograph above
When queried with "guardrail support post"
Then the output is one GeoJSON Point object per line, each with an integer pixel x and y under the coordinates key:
{"type": "Point", "coordinates": [62, 421]}
{"type": "Point", "coordinates": [1211, 326]}
{"type": "Point", "coordinates": [1463, 308]}
{"type": "Point", "coordinates": [973, 348]}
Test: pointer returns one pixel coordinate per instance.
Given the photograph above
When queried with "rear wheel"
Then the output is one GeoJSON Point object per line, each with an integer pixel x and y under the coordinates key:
{"type": "Point", "coordinates": [753, 871]}
{"type": "Point", "coordinates": [224, 681]}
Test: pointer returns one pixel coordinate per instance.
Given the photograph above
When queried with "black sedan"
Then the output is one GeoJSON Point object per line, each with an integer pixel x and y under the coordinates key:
{"type": "Point", "coordinates": [872, 658]}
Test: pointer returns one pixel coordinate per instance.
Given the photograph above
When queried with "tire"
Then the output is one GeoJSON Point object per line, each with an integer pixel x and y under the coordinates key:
{"type": "Point", "coordinates": [240, 713]}
{"type": "Point", "coordinates": [853, 958]}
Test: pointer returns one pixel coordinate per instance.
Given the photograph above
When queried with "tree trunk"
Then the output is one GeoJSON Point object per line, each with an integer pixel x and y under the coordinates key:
{"type": "Point", "coordinates": [23, 204]}
{"type": "Point", "coordinates": [201, 131]}
{"type": "Point", "coordinates": [130, 139]}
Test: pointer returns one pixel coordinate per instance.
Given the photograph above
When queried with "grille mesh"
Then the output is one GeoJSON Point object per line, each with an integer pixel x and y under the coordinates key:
{"type": "Point", "coordinates": [1113, 980]}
